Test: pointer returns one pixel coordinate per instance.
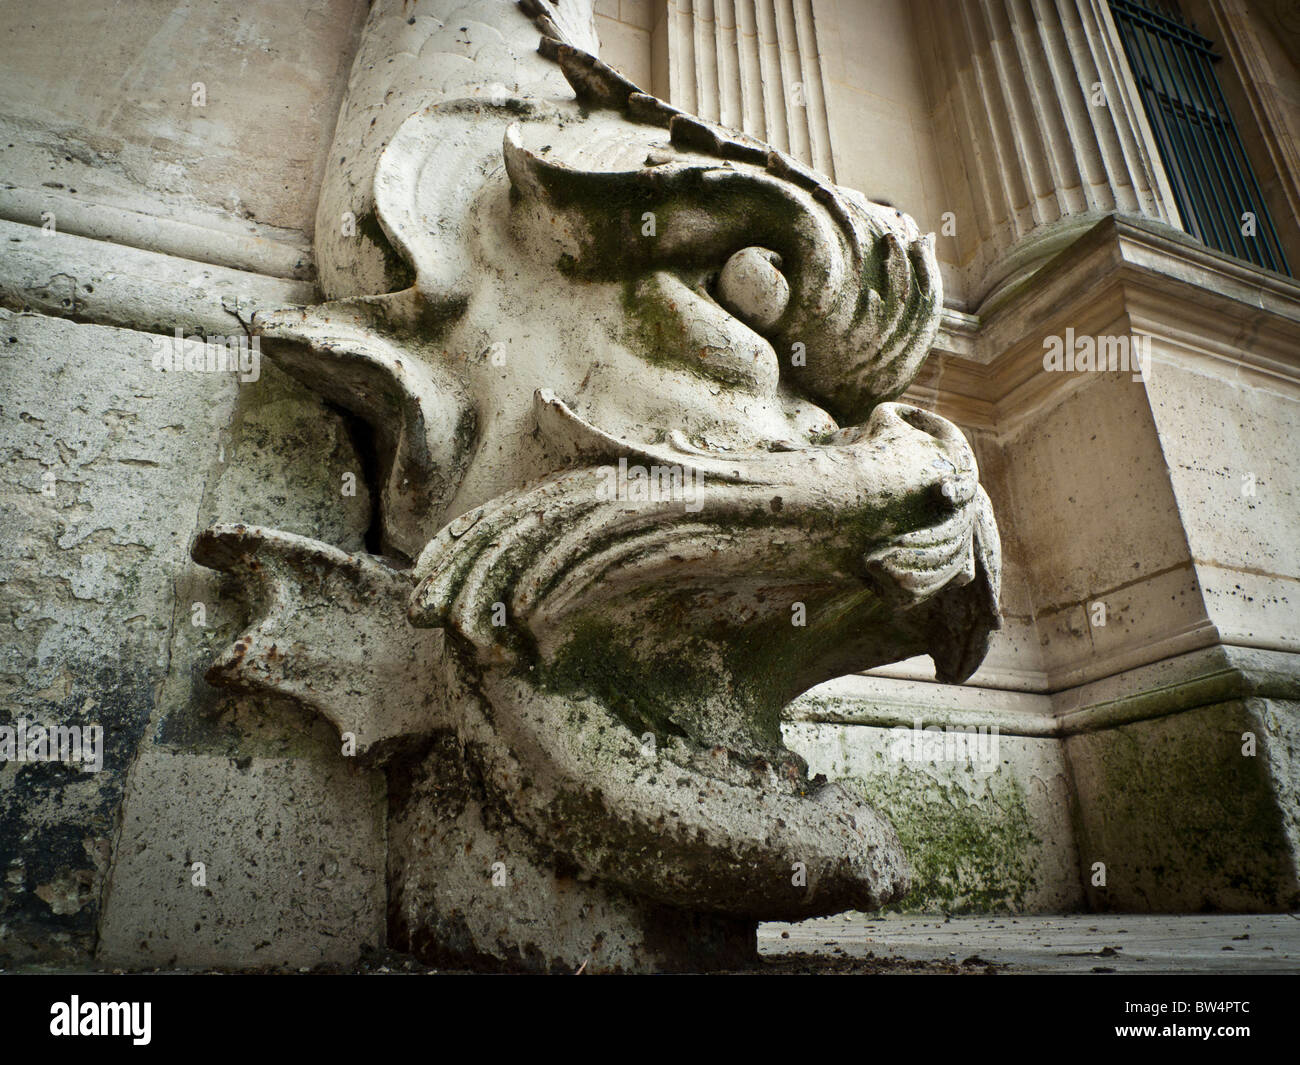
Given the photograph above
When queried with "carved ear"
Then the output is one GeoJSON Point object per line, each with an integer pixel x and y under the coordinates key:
{"type": "Point", "coordinates": [434, 171]}
{"type": "Point", "coordinates": [428, 179]}
{"type": "Point", "coordinates": [423, 185]}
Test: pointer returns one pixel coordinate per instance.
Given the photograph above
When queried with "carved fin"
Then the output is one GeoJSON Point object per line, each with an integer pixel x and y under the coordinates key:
{"type": "Point", "coordinates": [557, 21]}
{"type": "Point", "coordinates": [596, 84]}
{"type": "Point", "coordinates": [329, 633]}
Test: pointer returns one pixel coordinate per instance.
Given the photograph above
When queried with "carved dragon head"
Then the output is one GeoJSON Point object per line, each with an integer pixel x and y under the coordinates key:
{"type": "Point", "coordinates": [643, 478]}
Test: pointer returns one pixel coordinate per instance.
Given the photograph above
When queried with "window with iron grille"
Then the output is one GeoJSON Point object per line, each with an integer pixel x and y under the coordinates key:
{"type": "Point", "coordinates": [1214, 186]}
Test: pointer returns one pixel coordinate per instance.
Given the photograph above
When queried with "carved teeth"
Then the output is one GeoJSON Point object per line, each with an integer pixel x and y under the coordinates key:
{"type": "Point", "coordinates": [896, 271]}
{"type": "Point", "coordinates": [875, 306]}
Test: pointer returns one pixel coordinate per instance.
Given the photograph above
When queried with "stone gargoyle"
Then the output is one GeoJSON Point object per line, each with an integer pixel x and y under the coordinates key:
{"type": "Point", "coordinates": [641, 483]}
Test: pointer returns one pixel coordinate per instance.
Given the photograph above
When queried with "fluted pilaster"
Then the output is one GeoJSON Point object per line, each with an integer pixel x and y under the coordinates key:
{"type": "Point", "coordinates": [752, 65]}
{"type": "Point", "coordinates": [1044, 133]}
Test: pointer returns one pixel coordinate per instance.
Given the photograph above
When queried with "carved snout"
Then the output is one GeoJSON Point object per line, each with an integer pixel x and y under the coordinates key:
{"type": "Point", "coordinates": [951, 563]}
{"type": "Point", "coordinates": [928, 500]}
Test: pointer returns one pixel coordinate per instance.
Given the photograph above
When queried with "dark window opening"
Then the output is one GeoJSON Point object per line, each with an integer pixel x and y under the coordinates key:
{"type": "Point", "coordinates": [1213, 184]}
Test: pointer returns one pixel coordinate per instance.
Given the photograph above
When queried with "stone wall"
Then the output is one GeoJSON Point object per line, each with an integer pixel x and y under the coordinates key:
{"type": "Point", "coordinates": [160, 170]}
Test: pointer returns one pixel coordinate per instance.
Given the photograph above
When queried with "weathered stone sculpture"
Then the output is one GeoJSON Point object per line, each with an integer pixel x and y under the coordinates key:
{"type": "Point", "coordinates": [640, 484]}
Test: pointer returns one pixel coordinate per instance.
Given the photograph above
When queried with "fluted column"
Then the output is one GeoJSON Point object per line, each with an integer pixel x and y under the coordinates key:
{"type": "Point", "coordinates": [752, 65]}
{"type": "Point", "coordinates": [1042, 128]}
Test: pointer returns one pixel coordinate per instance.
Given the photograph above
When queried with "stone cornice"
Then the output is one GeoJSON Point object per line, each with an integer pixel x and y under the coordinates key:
{"type": "Point", "coordinates": [1122, 275]}
{"type": "Point", "coordinates": [1183, 682]}
{"type": "Point", "coordinates": [102, 283]}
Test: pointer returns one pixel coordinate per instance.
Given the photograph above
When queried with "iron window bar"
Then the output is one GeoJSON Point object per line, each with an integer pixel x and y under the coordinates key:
{"type": "Point", "coordinates": [1213, 183]}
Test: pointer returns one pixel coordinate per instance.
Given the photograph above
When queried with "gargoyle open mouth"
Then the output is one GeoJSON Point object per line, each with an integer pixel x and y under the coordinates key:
{"type": "Point", "coordinates": [634, 650]}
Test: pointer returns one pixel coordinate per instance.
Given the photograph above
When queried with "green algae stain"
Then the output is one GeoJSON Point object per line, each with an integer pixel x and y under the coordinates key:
{"type": "Point", "coordinates": [970, 853]}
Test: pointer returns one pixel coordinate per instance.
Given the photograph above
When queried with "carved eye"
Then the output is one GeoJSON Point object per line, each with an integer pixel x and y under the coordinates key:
{"type": "Point", "coordinates": [752, 287]}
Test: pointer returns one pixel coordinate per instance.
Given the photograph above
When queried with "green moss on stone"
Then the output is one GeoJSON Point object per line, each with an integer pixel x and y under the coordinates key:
{"type": "Point", "coordinates": [969, 853]}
